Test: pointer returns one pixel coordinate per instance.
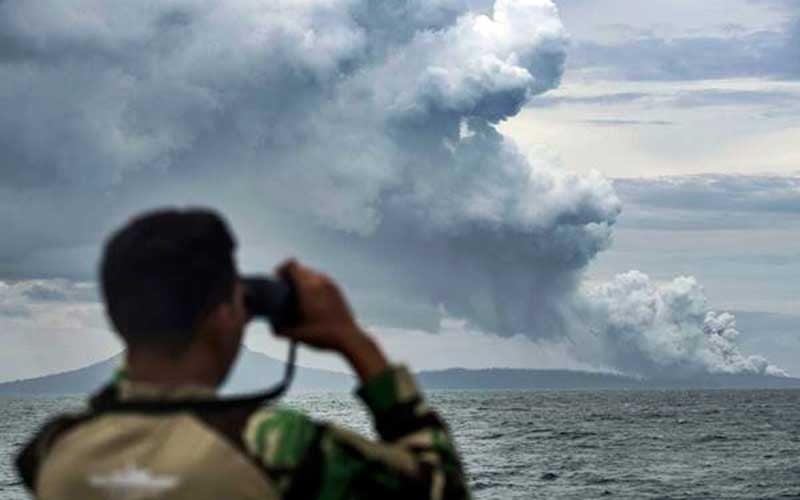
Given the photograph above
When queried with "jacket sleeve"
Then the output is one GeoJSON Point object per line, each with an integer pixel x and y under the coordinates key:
{"type": "Point", "coordinates": [414, 458]}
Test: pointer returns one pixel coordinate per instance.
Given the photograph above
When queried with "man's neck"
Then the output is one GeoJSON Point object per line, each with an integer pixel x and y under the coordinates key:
{"type": "Point", "coordinates": [161, 369]}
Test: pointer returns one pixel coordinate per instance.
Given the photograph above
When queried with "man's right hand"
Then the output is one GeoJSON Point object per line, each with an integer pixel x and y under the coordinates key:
{"type": "Point", "coordinates": [326, 322]}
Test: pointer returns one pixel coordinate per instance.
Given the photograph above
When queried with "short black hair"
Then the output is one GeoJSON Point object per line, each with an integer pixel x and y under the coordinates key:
{"type": "Point", "coordinates": [163, 272]}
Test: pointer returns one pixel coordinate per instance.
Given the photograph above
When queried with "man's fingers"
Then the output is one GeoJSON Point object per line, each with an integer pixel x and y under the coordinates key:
{"type": "Point", "coordinates": [305, 278]}
{"type": "Point", "coordinates": [286, 267]}
{"type": "Point", "coordinates": [298, 274]}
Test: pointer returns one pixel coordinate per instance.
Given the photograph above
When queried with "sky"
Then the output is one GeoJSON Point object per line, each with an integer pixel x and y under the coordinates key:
{"type": "Point", "coordinates": [593, 184]}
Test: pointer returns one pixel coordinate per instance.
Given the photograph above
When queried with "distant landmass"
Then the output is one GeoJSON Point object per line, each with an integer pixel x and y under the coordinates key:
{"type": "Point", "coordinates": [256, 371]}
{"type": "Point", "coordinates": [253, 371]}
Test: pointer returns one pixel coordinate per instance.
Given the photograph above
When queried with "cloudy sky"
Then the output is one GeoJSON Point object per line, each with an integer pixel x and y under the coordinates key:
{"type": "Point", "coordinates": [598, 184]}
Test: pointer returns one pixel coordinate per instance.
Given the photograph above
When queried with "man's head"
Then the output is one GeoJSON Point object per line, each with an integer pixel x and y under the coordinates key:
{"type": "Point", "coordinates": [170, 286]}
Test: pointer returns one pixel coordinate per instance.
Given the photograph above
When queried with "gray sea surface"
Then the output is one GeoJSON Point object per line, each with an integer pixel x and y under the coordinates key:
{"type": "Point", "coordinates": [726, 444]}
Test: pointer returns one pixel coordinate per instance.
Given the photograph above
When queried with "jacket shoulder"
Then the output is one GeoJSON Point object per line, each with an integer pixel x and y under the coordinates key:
{"type": "Point", "coordinates": [34, 452]}
{"type": "Point", "coordinates": [279, 437]}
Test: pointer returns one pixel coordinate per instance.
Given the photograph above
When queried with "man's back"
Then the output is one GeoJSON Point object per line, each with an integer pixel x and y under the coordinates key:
{"type": "Point", "coordinates": [145, 456]}
{"type": "Point", "coordinates": [213, 449]}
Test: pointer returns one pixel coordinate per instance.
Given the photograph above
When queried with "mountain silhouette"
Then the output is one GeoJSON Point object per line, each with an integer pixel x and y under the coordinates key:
{"type": "Point", "coordinates": [255, 371]}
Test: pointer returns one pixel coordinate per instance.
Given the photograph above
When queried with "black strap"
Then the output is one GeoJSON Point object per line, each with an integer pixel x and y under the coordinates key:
{"type": "Point", "coordinates": [107, 400]}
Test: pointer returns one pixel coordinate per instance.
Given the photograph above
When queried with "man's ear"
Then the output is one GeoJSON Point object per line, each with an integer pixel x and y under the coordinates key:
{"type": "Point", "coordinates": [212, 326]}
{"type": "Point", "coordinates": [221, 319]}
{"type": "Point", "coordinates": [219, 335]}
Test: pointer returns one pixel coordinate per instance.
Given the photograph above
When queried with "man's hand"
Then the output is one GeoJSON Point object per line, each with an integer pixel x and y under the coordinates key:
{"type": "Point", "coordinates": [326, 321]}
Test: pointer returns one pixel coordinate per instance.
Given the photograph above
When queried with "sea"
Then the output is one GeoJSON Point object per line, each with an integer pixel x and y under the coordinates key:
{"type": "Point", "coordinates": [693, 444]}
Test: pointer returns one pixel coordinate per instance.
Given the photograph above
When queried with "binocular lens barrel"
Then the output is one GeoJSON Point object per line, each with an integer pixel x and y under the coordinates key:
{"type": "Point", "coordinates": [272, 299]}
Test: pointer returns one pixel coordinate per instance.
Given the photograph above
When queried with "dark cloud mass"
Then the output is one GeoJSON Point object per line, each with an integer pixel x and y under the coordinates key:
{"type": "Point", "coordinates": [340, 130]}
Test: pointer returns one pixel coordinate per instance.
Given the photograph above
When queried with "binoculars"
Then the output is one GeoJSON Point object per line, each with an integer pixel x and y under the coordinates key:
{"type": "Point", "coordinates": [272, 299]}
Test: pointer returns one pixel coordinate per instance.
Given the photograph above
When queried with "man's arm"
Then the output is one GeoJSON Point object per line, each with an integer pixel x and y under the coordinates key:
{"type": "Point", "coordinates": [415, 456]}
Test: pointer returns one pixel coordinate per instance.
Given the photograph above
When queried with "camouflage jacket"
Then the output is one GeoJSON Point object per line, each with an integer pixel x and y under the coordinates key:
{"type": "Point", "coordinates": [196, 447]}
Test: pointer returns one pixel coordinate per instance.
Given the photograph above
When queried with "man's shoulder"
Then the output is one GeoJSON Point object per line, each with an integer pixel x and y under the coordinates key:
{"type": "Point", "coordinates": [105, 450]}
{"type": "Point", "coordinates": [229, 423]}
{"type": "Point", "coordinates": [279, 437]}
{"type": "Point", "coordinates": [35, 450]}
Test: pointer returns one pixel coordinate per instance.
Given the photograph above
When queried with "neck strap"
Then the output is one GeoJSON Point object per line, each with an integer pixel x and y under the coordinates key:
{"type": "Point", "coordinates": [107, 400]}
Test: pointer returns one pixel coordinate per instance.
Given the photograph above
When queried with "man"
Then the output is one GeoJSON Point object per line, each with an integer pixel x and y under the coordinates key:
{"type": "Point", "coordinates": [173, 295]}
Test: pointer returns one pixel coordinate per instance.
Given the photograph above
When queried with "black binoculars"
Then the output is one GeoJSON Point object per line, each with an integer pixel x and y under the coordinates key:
{"type": "Point", "coordinates": [272, 299]}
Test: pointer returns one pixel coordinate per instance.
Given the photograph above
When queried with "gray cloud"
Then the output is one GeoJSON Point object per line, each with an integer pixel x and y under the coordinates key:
{"type": "Point", "coordinates": [616, 122]}
{"type": "Point", "coordinates": [719, 97]}
{"type": "Point", "coordinates": [601, 99]}
{"type": "Point", "coordinates": [723, 193]}
{"type": "Point", "coordinates": [781, 5]}
{"type": "Point", "coordinates": [362, 140]}
{"type": "Point", "coordinates": [19, 299]}
{"type": "Point", "coordinates": [776, 102]}
{"type": "Point", "coordinates": [733, 55]}
{"type": "Point", "coordinates": [710, 202]}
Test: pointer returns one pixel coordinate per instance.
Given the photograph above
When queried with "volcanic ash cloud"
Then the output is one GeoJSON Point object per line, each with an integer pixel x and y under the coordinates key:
{"type": "Point", "coordinates": [359, 133]}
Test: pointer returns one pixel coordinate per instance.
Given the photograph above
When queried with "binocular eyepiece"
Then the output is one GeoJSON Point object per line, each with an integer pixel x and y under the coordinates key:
{"type": "Point", "coordinates": [272, 299]}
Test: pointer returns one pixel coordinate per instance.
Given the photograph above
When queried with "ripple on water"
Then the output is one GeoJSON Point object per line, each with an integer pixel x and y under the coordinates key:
{"type": "Point", "coordinates": [710, 438]}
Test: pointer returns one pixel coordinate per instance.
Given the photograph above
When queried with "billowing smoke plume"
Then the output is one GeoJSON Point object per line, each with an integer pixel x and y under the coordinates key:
{"type": "Point", "coordinates": [357, 133]}
{"type": "Point", "coordinates": [668, 330]}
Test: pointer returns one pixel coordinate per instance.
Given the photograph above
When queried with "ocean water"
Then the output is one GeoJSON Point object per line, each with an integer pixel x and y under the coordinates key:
{"type": "Point", "coordinates": [569, 444]}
